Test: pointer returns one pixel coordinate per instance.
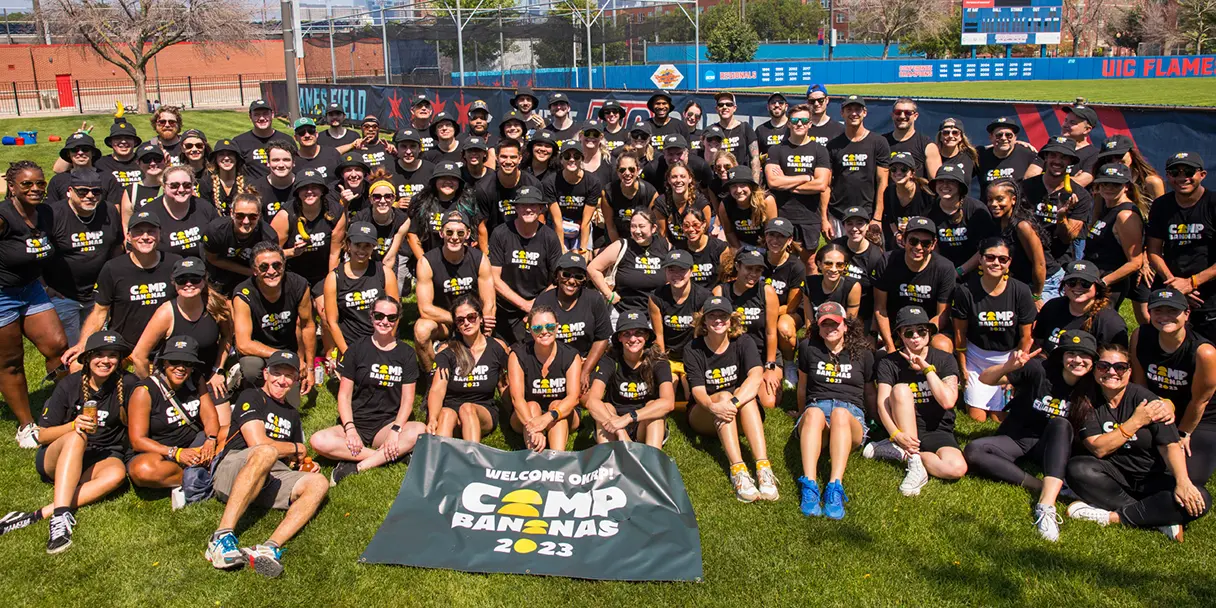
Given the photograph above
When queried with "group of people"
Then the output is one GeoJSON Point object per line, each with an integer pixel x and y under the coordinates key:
{"type": "Point", "coordinates": [189, 293]}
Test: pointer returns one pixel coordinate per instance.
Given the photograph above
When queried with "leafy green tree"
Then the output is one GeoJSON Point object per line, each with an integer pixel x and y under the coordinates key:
{"type": "Point", "coordinates": [730, 39]}
{"type": "Point", "coordinates": [785, 19]}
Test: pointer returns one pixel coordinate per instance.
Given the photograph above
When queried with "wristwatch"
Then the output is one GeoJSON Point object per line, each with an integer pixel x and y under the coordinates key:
{"type": "Point", "coordinates": [1183, 434]}
{"type": "Point", "coordinates": [396, 428]}
{"type": "Point", "coordinates": [634, 414]}
{"type": "Point", "coordinates": [771, 365]}
{"type": "Point", "coordinates": [556, 415]}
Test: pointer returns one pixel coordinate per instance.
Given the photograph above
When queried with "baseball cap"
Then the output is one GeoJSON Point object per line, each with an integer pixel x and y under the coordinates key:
{"type": "Point", "coordinates": [749, 257]}
{"type": "Point", "coordinates": [570, 145]}
{"type": "Point", "coordinates": [1113, 173]}
{"type": "Point", "coordinates": [716, 304]}
{"type": "Point", "coordinates": [1082, 269]}
{"type": "Point", "coordinates": [303, 122]}
{"type": "Point", "coordinates": [259, 104]}
{"type": "Point", "coordinates": [913, 315]}
{"type": "Point", "coordinates": [456, 215]}
{"type": "Point", "coordinates": [370, 119]}
{"type": "Point", "coordinates": [1004, 123]}
{"type": "Point", "coordinates": [853, 212]}
{"type": "Point", "coordinates": [1078, 341]}
{"type": "Point", "coordinates": [592, 125]}
{"type": "Point", "coordinates": [779, 225]}
{"type": "Point", "coordinates": [446, 169]}
{"type": "Point", "coordinates": [418, 98]}
{"type": "Point", "coordinates": [407, 135]}
{"type": "Point", "coordinates": [853, 100]}
{"type": "Point", "coordinates": [309, 177]}
{"type": "Point", "coordinates": [283, 357]}
{"type": "Point", "coordinates": [1116, 145]}
{"type": "Point", "coordinates": [920, 223]}
{"type": "Point", "coordinates": [528, 196]}
{"type": "Point", "coordinates": [572, 259]}
{"type": "Point", "coordinates": [1189, 159]}
{"type": "Point", "coordinates": [633, 320]}
{"type": "Point", "coordinates": [724, 95]}
{"type": "Point", "coordinates": [335, 107]}
{"type": "Point", "coordinates": [816, 87]}
{"type": "Point", "coordinates": [556, 97]}
{"type": "Point", "coordinates": [903, 158]}
{"type": "Point", "coordinates": [478, 105]}
{"type": "Point", "coordinates": [1083, 112]}
{"type": "Point", "coordinates": [86, 178]}
{"type": "Point", "coordinates": [362, 232]}
{"type": "Point", "coordinates": [188, 267]}
{"type": "Point", "coordinates": [830, 311]}
{"type": "Point", "coordinates": [675, 140]}
{"type": "Point", "coordinates": [777, 95]}
{"type": "Point", "coordinates": [143, 217]}
{"type": "Point", "coordinates": [713, 132]}
{"type": "Point", "coordinates": [543, 136]}
{"type": "Point", "coordinates": [951, 123]}
{"type": "Point", "coordinates": [677, 259]}
{"type": "Point", "coordinates": [474, 143]}
{"type": "Point", "coordinates": [152, 148]}
{"type": "Point", "coordinates": [1170, 298]}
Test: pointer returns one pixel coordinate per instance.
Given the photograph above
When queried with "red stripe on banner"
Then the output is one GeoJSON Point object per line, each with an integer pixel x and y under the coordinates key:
{"type": "Point", "coordinates": [1032, 124]}
{"type": "Point", "coordinates": [1113, 122]}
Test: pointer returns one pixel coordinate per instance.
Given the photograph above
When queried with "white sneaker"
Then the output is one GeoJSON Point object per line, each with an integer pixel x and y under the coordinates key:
{"type": "Point", "coordinates": [1047, 521]}
{"type": "Point", "coordinates": [177, 498]}
{"type": "Point", "coordinates": [27, 436]}
{"type": "Point", "coordinates": [884, 450]}
{"type": "Point", "coordinates": [916, 478]}
{"type": "Point", "coordinates": [745, 487]}
{"type": "Point", "coordinates": [768, 483]}
{"type": "Point", "coordinates": [791, 376]}
{"type": "Point", "coordinates": [1085, 511]}
{"type": "Point", "coordinates": [232, 379]}
{"type": "Point", "coordinates": [1173, 532]}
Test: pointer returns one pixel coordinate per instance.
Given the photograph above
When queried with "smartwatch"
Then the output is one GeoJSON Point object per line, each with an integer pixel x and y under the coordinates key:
{"type": "Point", "coordinates": [556, 415]}
{"type": "Point", "coordinates": [634, 414]}
{"type": "Point", "coordinates": [770, 365]}
{"type": "Point", "coordinates": [396, 428]}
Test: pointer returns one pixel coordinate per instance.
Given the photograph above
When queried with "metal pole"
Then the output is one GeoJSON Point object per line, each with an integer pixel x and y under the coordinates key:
{"type": "Point", "coordinates": [476, 63]}
{"type": "Point", "coordinates": [8, 31]}
{"type": "Point", "coordinates": [17, 99]}
{"type": "Point", "coordinates": [502, 53]}
{"type": "Point", "coordinates": [384, 41]}
{"type": "Point", "coordinates": [604, 52]}
{"type": "Point", "coordinates": [696, 47]}
{"type": "Point", "coordinates": [460, 42]}
{"type": "Point", "coordinates": [156, 69]}
{"type": "Point", "coordinates": [574, 49]}
{"type": "Point", "coordinates": [289, 62]}
{"type": "Point", "coordinates": [333, 60]}
{"type": "Point", "coordinates": [587, 22]}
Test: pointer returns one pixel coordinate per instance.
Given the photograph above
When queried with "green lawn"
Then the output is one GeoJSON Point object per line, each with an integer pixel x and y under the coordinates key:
{"type": "Point", "coordinates": [1173, 91]}
{"type": "Point", "coordinates": [965, 543]}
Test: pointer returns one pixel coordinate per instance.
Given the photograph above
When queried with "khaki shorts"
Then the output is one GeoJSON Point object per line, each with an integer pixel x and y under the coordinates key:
{"type": "Point", "coordinates": [275, 494]}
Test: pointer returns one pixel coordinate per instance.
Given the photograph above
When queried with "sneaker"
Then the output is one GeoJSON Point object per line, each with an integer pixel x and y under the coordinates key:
{"type": "Point", "coordinates": [809, 503]}
{"type": "Point", "coordinates": [61, 533]}
{"type": "Point", "coordinates": [884, 450]}
{"type": "Point", "coordinates": [224, 553]}
{"type": "Point", "coordinates": [916, 478]}
{"type": "Point", "coordinates": [1085, 511]}
{"type": "Point", "coordinates": [177, 498]}
{"type": "Point", "coordinates": [791, 376]}
{"type": "Point", "coordinates": [1173, 532]}
{"type": "Point", "coordinates": [1047, 522]}
{"type": "Point", "coordinates": [27, 436]}
{"type": "Point", "coordinates": [833, 501]}
{"type": "Point", "coordinates": [17, 520]}
{"type": "Point", "coordinates": [265, 559]}
{"type": "Point", "coordinates": [768, 483]}
{"type": "Point", "coordinates": [232, 379]}
{"type": "Point", "coordinates": [745, 487]}
{"type": "Point", "coordinates": [343, 470]}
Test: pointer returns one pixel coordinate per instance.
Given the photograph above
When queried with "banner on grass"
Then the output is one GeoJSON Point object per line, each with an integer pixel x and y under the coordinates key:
{"type": "Point", "coordinates": [616, 511]}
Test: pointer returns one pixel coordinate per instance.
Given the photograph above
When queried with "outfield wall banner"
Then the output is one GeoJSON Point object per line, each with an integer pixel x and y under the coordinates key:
{"type": "Point", "coordinates": [616, 511]}
{"type": "Point", "coordinates": [1157, 132]}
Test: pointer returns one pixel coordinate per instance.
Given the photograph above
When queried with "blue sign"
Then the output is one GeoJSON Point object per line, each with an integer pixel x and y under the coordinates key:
{"type": "Point", "coordinates": [1012, 21]}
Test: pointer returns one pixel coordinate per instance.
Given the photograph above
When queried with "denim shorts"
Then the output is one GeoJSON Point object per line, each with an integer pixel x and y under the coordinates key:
{"type": "Point", "coordinates": [828, 405]}
{"type": "Point", "coordinates": [18, 302]}
{"type": "Point", "coordinates": [1051, 287]}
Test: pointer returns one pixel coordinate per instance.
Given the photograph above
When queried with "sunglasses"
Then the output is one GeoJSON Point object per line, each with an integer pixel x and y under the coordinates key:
{"type": "Point", "coordinates": [383, 197]}
{"type": "Point", "coordinates": [1119, 368]}
{"type": "Point", "coordinates": [79, 151]}
{"type": "Point", "coordinates": [1082, 283]}
{"type": "Point", "coordinates": [83, 191]}
{"type": "Point", "coordinates": [194, 146]}
{"type": "Point", "coordinates": [166, 122]}
{"type": "Point", "coordinates": [384, 316]}
{"type": "Point", "coordinates": [800, 121]}
{"type": "Point", "coordinates": [899, 169]}
{"type": "Point", "coordinates": [833, 265]}
{"type": "Point", "coordinates": [1181, 171]}
{"type": "Point", "coordinates": [569, 157]}
{"type": "Point", "coordinates": [183, 281]}
{"type": "Point", "coordinates": [992, 257]}
{"type": "Point", "coordinates": [818, 100]}
{"type": "Point", "coordinates": [634, 333]}
{"type": "Point", "coordinates": [568, 276]}
{"type": "Point", "coordinates": [470, 318]}
{"type": "Point", "coordinates": [954, 132]}
{"type": "Point", "coordinates": [914, 332]}
{"type": "Point", "coordinates": [179, 364]}
{"type": "Point", "coordinates": [152, 160]}
{"type": "Point", "coordinates": [626, 169]}
{"type": "Point", "coordinates": [27, 184]}
{"type": "Point", "coordinates": [460, 234]}
{"type": "Point", "coordinates": [306, 131]}
{"type": "Point", "coordinates": [918, 242]}
{"type": "Point", "coordinates": [903, 112]}
{"type": "Point", "coordinates": [1003, 135]}
{"type": "Point", "coordinates": [178, 185]}
{"type": "Point", "coordinates": [546, 328]}
{"type": "Point", "coordinates": [245, 217]}
{"type": "Point", "coordinates": [692, 116]}
{"type": "Point", "coordinates": [726, 104]}
{"type": "Point", "coordinates": [276, 266]}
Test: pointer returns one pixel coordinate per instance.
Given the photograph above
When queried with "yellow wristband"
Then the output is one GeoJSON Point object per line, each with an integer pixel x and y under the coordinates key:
{"type": "Point", "coordinates": [897, 433]}
{"type": "Point", "coordinates": [930, 368]}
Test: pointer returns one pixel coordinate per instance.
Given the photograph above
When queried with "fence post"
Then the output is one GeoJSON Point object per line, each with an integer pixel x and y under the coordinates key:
{"type": "Point", "coordinates": [240, 83]}
{"type": "Point", "coordinates": [79, 101]}
{"type": "Point", "coordinates": [16, 99]}
{"type": "Point", "coordinates": [190, 88]}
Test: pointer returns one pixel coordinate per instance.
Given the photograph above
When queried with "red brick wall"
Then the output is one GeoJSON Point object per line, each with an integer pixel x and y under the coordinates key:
{"type": "Point", "coordinates": [20, 61]}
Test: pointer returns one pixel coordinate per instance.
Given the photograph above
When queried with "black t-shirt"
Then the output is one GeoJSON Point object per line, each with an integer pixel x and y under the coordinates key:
{"type": "Point", "coordinates": [544, 386]}
{"type": "Point", "coordinates": [498, 201]}
{"type": "Point", "coordinates": [1055, 318]}
{"type": "Point", "coordinates": [587, 322]}
{"type": "Point", "coordinates": [855, 167]}
{"type": "Point", "coordinates": [639, 273]}
{"type": "Point", "coordinates": [356, 298]}
{"type": "Point", "coordinates": [930, 415]}
{"type": "Point", "coordinates": [677, 316]}
{"type": "Point", "coordinates": [623, 207]}
{"type": "Point", "coordinates": [221, 239]}
{"type": "Point", "coordinates": [1012, 167]}
{"type": "Point", "coordinates": [326, 138]}
{"type": "Point", "coordinates": [273, 199]}
{"type": "Point", "coordinates": [437, 155]}
{"type": "Point", "coordinates": [274, 323]}
{"type": "Point", "coordinates": [655, 171]}
{"type": "Point", "coordinates": [1088, 155]}
{"type": "Point", "coordinates": [325, 163]}
{"type": "Point", "coordinates": [280, 419]}
{"type": "Point", "coordinates": [478, 384]}
{"type": "Point", "coordinates": [706, 263]}
{"type": "Point", "coordinates": [815, 292]}
{"type": "Point", "coordinates": [798, 160]}
{"type": "Point", "coordinates": [133, 293]}
{"type": "Point", "coordinates": [747, 230]}
{"type": "Point", "coordinates": [428, 226]}
{"type": "Point", "coordinates": [126, 172]}
{"type": "Point", "coordinates": [67, 401]}
{"type": "Point", "coordinates": [527, 263]}
{"type": "Point", "coordinates": [914, 145]}
{"type": "Point", "coordinates": [379, 376]}
{"type": "Point", "coordinates": [826, 132]}
{"type": "Point", "coordinates": [183, 236]}
{"type": "Point", "coordinates": [142, 195]}
{"type": "Point", "coordinates": [253, 150]}
{"type": "Point", "coordinates": [312, 257]}
{"type": "Point", "coordinates": [173, 151]}
{"type": "Point", "coordinates": [963, 161]}
{"type": "Point", "coordinates": [752, 306]}
{"type": "Point", "coordinates": [1039, 394]}
{"type": "Point", "coordinates": [1188, 238]}
{"type": "Point", "coordinates": [674, 215]}
{"type": "Point", "coordinates": [768, 136]}
{"type": "Point", "coordinates": [959, 241]}
{"type": "Point", "coordinates": [994, 322]}
{"type": "Point", "coordinates": [166, 424]}
{"type": "Point", "coordinates": [385, 233]}
{"type": "Point", "coordinates": [81, 249]}
{"type": "Point", "coordinates": [1102, 247]}
{"type": "Point", "coordinates": [612, 140]}
{"type": "Point", "coordinates": [627, 390]}
{"type": "Point", "coordinates": [927, 288]}
{"type": "Point", "coordinates": [785, 278]}
{"type": "Point", "coordinates": [1172, 375]}
{"type": "Point", "coordinates": [112, 191]}
{"type": "Point", "coordinates": [738, 140]}
{"type": "Point", "coordinates": [1138, 457]}
{"type": "Point", "coordinates": [410, 183]}
{"type": "Point", "coordinates": [1045, 206]}
{"type": "Point", "coordinates": [24, 252]}
{"type": "Point", "coordinates": [836, 376]}
{"type": "Point", "coordinates": [864, 267]}
{"type": "Point", "coordinates": [450, 281]}
{"type": "Point", "coordinates": [720, 372]}
{"type": "Point", "coordinates": [673, 126]}
{"type": "Point", "coordinates": [572, 198]}
{"type": "Point", "coordinates": [897, 213]}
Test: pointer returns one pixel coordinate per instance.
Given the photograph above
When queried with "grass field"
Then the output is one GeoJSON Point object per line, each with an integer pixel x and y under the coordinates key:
{"type": "Point", "coordinates": [1173, 92]}
{"type": "Point", "coordinates": [964, 543]}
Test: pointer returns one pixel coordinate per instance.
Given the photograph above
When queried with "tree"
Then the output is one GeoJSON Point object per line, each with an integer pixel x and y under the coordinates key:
{"type": "Point", "coordinates": [1127, 30]}
{"type": "Point", "coordinates": [945, 41]}
{"type": "Point", "coordinates": [785, 19]}
{"type": "Point", "coordinates": [888, 21]}
{"type": "Point", "coordinates": [1197, 23]}
{"type": "Point", "coordinates": [1080, 23]}
{"type": "Point", "coordinates": [730, 39]}
{"type": "Point", "coordinates": [129, 33]}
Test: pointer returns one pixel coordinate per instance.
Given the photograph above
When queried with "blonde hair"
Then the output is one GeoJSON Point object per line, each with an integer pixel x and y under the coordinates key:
{"type": "Point", "coordinates": [736, 325]}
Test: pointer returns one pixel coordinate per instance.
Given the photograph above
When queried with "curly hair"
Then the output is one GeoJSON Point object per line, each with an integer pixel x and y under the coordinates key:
{"type": "Point", "coordinates": [1020, 213]}
{"type": "Point", "coordinates": [174, 110]}
{"type": "Point", "coordinates": [14, 168]}
{"type": "Point", "coordinates": [736, 325]}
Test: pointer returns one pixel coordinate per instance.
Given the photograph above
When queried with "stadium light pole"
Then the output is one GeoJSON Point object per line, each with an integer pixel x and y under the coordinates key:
{"type": "Point", "coordinates": [289, 61]}
{"type": "Point", "coordinates": [333, 60]}
{"type": "Point", "coordinates": [384, 41]}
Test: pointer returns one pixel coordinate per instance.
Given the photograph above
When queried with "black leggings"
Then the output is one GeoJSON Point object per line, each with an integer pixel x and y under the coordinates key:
{"type": "Point", "coordinates": [1146, 502]}
{"type": "Point", "coordinates": [1202, 462]}
{"type": "Point", "coordinates": [996, 457]}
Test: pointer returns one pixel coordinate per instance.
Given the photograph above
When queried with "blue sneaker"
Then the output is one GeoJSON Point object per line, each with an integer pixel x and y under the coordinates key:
{"type": "Point", "coordinates": [266, 560]}
{"type": "Point", "coordinates": [833, 502]}
{"type": "Point", "coordinates": [223, 552]}
{"type": "Point", "coordinates": [810, 497]}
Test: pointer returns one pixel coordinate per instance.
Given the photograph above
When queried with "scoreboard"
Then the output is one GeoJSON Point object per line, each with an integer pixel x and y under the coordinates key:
{"type": "Point", "coordinates": [1011, 21]}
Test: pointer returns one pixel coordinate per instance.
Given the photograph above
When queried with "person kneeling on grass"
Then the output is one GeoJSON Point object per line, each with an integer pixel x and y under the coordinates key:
{"type": "Point", "coordinates": [173, 423]}
{"type": "Point", "coordinates": [82, 431]}
{"type": "Point", "coordinates": [265, 462]}
{"type": "Point", "coordinates": [1132, 442]}
{"type": "Point", "coordinates": [917, 391]}
{"type": "Point", "coordinates": [375, 397]}
{"type": "Point", "coordinates": [544, 381]}
{"type": "Point", "coordinates": [835, 382]}
{"type": "Point", "coordinates": [466, 376]}
{"type": "Point", "coordinates": [724, 374]}
{"type": "Point", "coordinates": [632, 392]}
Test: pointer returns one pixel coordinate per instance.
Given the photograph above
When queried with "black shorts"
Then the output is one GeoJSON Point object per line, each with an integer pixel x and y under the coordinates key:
{"type": "Point", "coordinates": [807, 234]}
{"type": "Point", "coordinates": [933, 441]}
{"type": "Point", "coordinates": [509, 326]}
{"type": "Point", "coordinates": [368, 428]}
{"type": "Point", "coordinates": [199, 438]}
{"type": "Point", "coordinates": [492, 409]}
{"type": "Point", "coordinates": [692, 405]}
{"type": "Point", "coordinates": [1140, 291]}
{"type": "Point", "coordinates": [91, 457]}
